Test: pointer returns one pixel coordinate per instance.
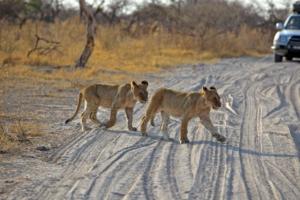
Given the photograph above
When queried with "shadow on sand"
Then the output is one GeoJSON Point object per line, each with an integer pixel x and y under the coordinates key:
{"type": "Point", "coordinates": [225, 145]}
{"type": "Point", "coordinates": [243, 150]}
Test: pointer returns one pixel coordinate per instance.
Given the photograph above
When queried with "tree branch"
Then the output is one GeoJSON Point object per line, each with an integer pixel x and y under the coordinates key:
{"type": "Point", "coordinates": [43, 50]}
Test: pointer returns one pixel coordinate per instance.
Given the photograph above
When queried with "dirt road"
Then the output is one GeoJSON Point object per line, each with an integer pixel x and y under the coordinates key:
{"type": "Point", "coordinates": [261, 160]}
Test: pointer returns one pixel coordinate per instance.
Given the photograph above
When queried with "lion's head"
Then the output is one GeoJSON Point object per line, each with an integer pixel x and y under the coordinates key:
{"type": "Point", "coordinates": [139, 91]}
{"type": "Point", "coordinates": [212, 97]}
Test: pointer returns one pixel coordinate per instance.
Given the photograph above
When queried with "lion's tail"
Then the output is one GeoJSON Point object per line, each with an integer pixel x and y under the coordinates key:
{"type": "Point", "coordinates": [77, 109]}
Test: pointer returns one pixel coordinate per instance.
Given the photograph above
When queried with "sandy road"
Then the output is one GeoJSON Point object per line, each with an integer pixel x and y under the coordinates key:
{"type": "Point", "coordinates": [261, 159]}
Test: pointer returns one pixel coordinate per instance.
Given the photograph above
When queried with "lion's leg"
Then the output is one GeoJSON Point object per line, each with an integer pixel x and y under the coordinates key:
{"type": "Point", "coordinates": [149, 116]}
{"type": "Point", "coordinates": [84, 117]}
{"type": "Point", "coordinates": [113, 117]}
{"type": "Point", "coordinates": [92, 108]}
{"type": "Point", "coordinates": [183, 131]}
{"type": "Point", "coordinates": [165, 122]}
{"type": "Point", "coordinates": [150, 113]}
{"type": "Point", "coordinates": [129, 114]}
{"type": "Point", "coordinates": [93, 118]}
{"type": "Point", "coordinates": [209, 126]}
{"type": "Point", "coordinates": [145, 120]}
{"type": "Point", "coordinates": [152, 120]}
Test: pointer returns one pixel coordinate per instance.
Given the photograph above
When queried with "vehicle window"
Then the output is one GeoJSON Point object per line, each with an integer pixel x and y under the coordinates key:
{"type": "Point", "coordinates": [293, 23]}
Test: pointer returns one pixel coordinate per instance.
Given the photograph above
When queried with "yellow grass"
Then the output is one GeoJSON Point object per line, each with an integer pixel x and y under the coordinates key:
{"type": "Point", "coordinates": [116, 50]}
{"type": "Point", "coordinates": [18, 132]}
{"type": "Point", "coordinates": [5, 140]}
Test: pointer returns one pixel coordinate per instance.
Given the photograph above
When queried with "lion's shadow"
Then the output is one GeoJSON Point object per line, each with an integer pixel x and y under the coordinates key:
{"type": "Point", "coordinates": [242, 150]}
{"type": "Point", "coordinates": [225, 145]}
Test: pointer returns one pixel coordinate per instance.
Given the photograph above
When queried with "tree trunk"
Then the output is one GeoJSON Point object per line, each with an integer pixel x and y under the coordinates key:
{"type": "Point", "coordinates": [91, 32]}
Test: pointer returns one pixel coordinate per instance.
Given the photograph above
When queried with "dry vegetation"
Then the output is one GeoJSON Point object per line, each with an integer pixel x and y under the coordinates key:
{"type": "Point", "coordinates": [152, 38]}
{"type": "Point", "coordinates": [17, 133]}
{"type": "Point", "coordinates": [118, 50]}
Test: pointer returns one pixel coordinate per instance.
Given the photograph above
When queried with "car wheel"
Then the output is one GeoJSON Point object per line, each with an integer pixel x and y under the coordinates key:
{"type": "Point", "coordinates": [289, 58]}
{"type": "Point", "coordinates": [277, 58]}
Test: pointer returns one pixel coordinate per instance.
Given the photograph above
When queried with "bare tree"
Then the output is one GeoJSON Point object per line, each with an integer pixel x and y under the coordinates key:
{"type": "Point", "coordinates": [90, 36]}
{"type": "Point", "coordinates": [113, 11]}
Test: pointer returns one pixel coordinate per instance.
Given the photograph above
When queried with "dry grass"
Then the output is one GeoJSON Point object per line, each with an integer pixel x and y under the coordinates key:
{"type": "Point", "coordinates": [18, 132]}
{"type": "Point", "coordinates": [6, 141]}
{"type": "Point", "coordinates": [118, 51]}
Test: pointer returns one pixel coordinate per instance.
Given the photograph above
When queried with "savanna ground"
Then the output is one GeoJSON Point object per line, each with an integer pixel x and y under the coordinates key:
{"type": "Point", "coordinates": [39, 91]}
{"type": "Point", "coordinates": [259, 117]}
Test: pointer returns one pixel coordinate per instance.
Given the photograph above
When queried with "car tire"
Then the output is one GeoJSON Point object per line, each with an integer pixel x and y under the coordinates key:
{"type": "Point", "coordinates": [289, 58]}
{"type": "Point", "coordinates": [277, 58]}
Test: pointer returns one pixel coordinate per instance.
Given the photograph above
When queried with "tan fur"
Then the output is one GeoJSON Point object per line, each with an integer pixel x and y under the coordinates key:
{"type": "Point", "coordinates": [185, 106]}
{"type": "Point", "coordinates": [110, 96]}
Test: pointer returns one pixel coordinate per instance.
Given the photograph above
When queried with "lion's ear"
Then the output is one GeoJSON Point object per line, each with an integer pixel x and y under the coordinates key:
{"type": "Point", "coordinates": [133, 84]}
{"type": "Point", "coordinates": [145, 84]}
{"type": "Point", "coordinates": [203, 90]}
{"type": "Point", "coordinates": [212, 88]}
{"type": "Point", "coordinates": [202, 93]}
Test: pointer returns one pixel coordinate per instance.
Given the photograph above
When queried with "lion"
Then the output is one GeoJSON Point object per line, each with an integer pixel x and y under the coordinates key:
{"type": "Point", "coordinates": [110, 96]}
{"type": "Point", "coordinates": [186, 106]}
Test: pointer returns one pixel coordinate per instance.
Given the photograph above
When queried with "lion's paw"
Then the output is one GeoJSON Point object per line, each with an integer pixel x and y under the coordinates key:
{"type": "Point", "coordinates": [184, 141]}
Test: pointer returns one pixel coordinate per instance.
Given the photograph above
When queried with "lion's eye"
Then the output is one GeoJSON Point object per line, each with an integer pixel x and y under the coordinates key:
{"type": "Point", "coordinates": [141, 95]}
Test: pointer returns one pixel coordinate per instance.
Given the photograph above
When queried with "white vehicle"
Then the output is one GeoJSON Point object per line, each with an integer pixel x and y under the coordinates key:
{"type": "Point", "coordinates": [287, 40]}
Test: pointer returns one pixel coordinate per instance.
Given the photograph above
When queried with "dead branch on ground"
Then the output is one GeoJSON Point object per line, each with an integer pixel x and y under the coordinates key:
{"type": "Point", "coordinates": [44, 50]}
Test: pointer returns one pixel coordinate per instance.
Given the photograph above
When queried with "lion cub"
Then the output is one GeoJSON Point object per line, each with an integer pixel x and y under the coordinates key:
{"type": "Point", "coordinates": [111, 96]}
{"type": "Point", "coordinates": [186, 106]}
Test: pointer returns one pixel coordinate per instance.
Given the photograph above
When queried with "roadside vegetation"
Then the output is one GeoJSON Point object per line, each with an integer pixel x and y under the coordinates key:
{"type": "Point", "coordinates": [17, 133]}
{"type": "Point", "coordinates": [153, 36]}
